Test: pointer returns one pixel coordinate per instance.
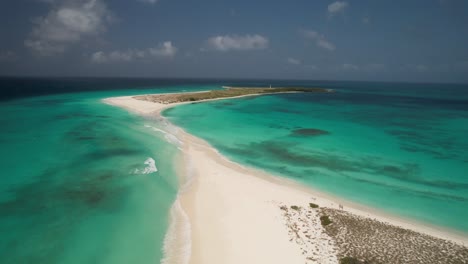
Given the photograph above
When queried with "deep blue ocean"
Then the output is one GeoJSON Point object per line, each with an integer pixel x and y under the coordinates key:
{"type": "Point", "coordinates": [85, 182]}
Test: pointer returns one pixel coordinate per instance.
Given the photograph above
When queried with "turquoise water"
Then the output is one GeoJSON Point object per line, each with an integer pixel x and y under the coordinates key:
{"type": "Point", "coordinates": [397, 147]}
{"type": "Point", "coordinates": [74, 186]}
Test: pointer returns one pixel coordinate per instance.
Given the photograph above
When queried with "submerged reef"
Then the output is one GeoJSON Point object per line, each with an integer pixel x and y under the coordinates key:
{"type": "Point", "coordinates": [309, 132]}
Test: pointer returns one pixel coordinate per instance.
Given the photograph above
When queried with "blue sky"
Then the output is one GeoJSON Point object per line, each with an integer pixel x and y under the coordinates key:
{"type": "Point", "coordinates": [423, 41]}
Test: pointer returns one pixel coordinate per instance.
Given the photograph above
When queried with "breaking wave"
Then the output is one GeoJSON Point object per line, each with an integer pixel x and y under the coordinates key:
{"type": "Point", "coordinates": [150, 167]}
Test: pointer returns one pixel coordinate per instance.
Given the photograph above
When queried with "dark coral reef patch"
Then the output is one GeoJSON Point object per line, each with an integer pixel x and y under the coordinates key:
{"type": "Point", "coordinates": [309, 132]}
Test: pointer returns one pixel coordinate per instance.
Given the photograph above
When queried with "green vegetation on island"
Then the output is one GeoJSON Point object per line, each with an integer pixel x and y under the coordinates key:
{"type": "Point", "coordinates": [295, 207]}
{"type": "Point", "coordinates": [325, 220]}
{"type": "Point", "coordinates": [228, 92]}
{"type": "Point", "coordinates": [312, 205]}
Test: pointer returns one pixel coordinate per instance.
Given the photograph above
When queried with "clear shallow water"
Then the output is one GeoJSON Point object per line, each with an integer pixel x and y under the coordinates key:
{"type": "Point", "coordinates": [82, 181]}
{"type": "Point", "coordinates": [398, 147]}
{"type": "Point", "coordinates": [75, 188]}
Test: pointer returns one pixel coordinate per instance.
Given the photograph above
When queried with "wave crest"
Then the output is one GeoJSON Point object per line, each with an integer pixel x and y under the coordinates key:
{"type": "Point", "coordinates": [150, 167]}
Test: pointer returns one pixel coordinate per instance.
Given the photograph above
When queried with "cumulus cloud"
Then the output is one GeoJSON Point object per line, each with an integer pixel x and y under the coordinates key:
{"type": "Point", "coordinates": [319, 39]}
{"type": "Point", "coordinates": [99, 57]}
{"type": "Point", "coordinates": [337, 7]}
{"type": "Point", "coordinates": [349, 67]}
{"type": "Point", "coordinates": [165, 49]}
{"type": "Point", "coordinates": [234, 42]}
{"type": "Point", "coordinates": [294, 61]}
{"type": "Point", "coordinates": [67, 23]}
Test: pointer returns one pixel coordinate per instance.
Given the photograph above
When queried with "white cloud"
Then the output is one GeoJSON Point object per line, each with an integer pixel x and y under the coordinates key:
{"type": "Point", "coordinates": [234, 42]}
{"type": "Point", "coordinates": [165, 49]}
{"type": "Point", "coordinates": [7, 55]}
{"type": "Point", "coordinates": [122, 55]}
{"type": "Point", "coordinates": [44, 48]}
{"type": "Point", "coordinates": [349, 67]}
{"type": "Point", "coordinates": [294, 61]}
{"type": "Point", "coordinates": [373, 67]}
{"type": "Point", "coordinates": [99, 57]}
{"type": "Point", "coordinates": [369, 67]}
{"type": "Point", "coordinates": [337, 7]}
{"type": "Point", "coordinates": [312, 67]}
{"type": "Point", "coordinates": [149, 1]}
{"type": "Point", "coordinates": [114, 56]}
{"type": "Point", "coordinates": [67, 23]}
{"type": "Point", "coordinates": [319, 39]}
{"type": "Point", "coordinates": [421, 68]}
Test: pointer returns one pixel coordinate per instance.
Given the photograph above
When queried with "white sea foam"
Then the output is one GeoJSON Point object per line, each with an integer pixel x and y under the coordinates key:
{"type": "Point", "coordinates": [150, 167]}
{"type": "Point", "coordinates": [169, 136]}
{"type": "Point", "coordinates": [173, 140]}
{"type": "Point", "coordinates": [159, 130]}
{"type": "Point", "coordinates": [178, 242]}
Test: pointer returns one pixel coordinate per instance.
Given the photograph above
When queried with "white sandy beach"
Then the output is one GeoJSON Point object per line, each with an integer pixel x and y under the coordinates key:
{"type": "Point", "coordinates": [234, 212]}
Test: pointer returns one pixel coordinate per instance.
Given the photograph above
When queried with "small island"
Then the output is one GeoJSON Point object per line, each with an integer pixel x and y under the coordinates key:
{"type": "Point", "coordinates": [228, 92]}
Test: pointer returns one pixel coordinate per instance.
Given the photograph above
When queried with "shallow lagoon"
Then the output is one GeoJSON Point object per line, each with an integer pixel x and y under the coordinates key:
{"type": "Point", "coordinates": [397, 147]}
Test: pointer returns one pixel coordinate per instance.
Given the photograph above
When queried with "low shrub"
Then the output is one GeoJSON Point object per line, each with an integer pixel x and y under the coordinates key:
{"type": "Point", "coordinates": [312, 205]}
{"type": "Point", "coordinates": [325, 220]}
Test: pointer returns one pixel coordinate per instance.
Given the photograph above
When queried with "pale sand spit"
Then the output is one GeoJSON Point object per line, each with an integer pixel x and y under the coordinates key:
{"type": "Point", "coordinates": [235, 212]}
